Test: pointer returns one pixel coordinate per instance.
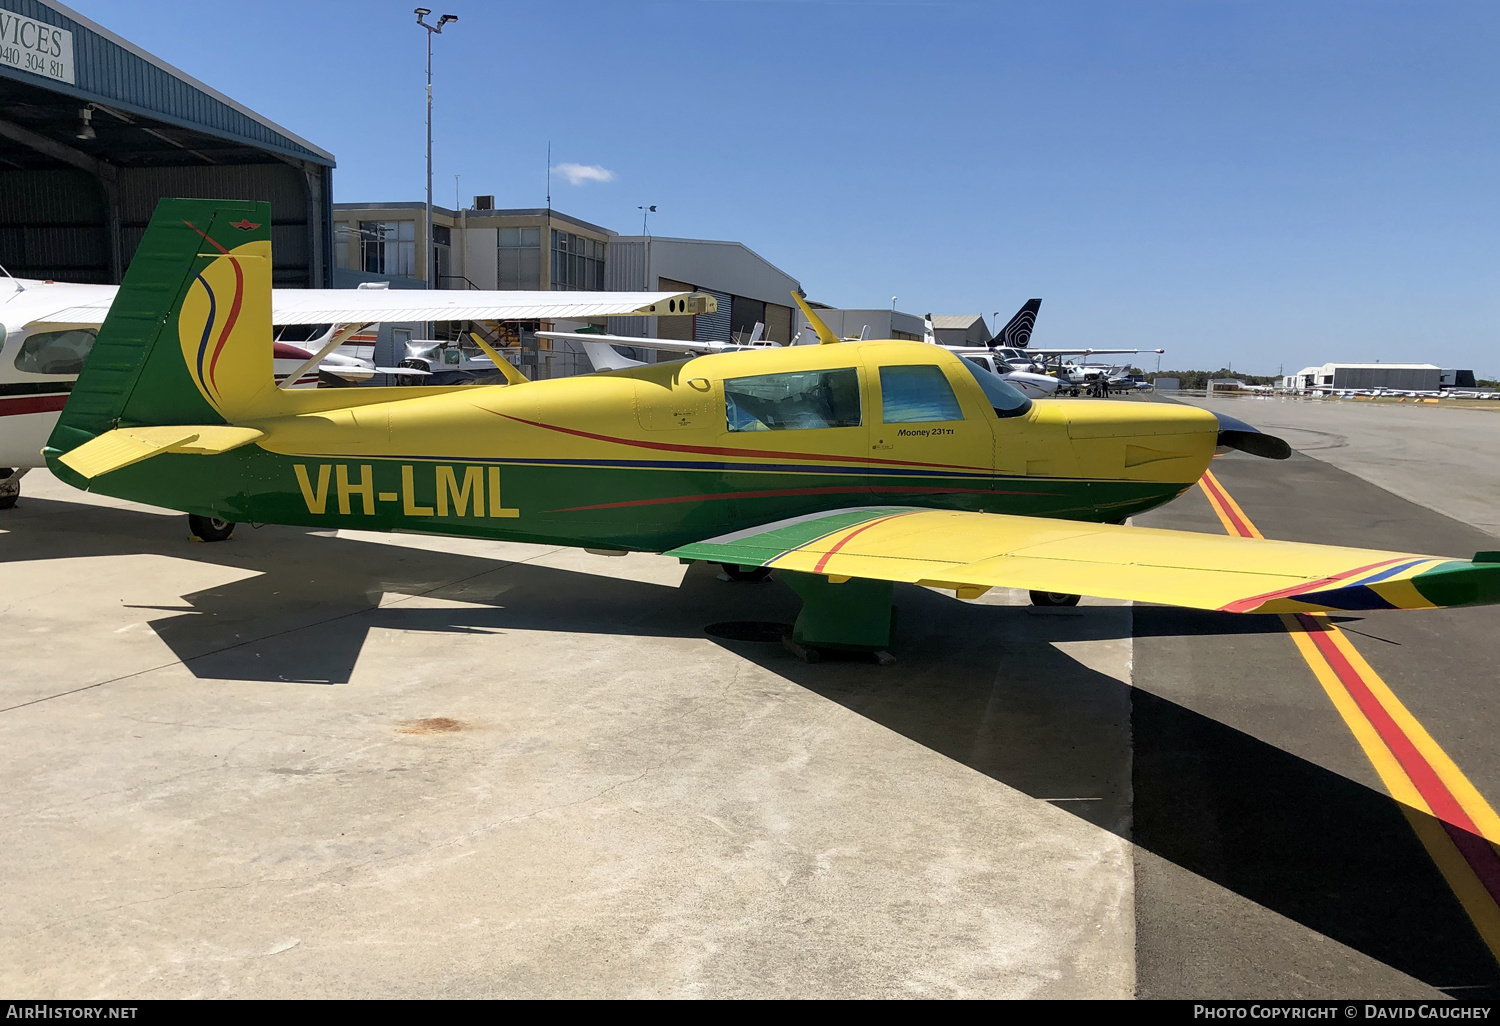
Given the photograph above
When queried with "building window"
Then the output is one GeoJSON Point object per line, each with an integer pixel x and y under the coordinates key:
{"type": "Point", "coordinates": [520, 259]}
{"type": "Point", "coordinates": [389, 247]}
{"type": "Point", "coordinates": [442, 257]}
{"type": "Point", "coordinates": [577, 262]}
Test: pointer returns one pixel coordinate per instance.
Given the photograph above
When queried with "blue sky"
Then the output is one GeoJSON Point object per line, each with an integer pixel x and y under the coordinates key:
{"type": "Point", "coordinates": [1253, 183]}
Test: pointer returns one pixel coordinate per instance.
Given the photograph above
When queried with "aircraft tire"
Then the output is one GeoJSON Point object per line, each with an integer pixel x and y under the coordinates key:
{"type": "Point", "coordinates": [10, 488]}
{"type": "Point", "coordinates": [209, 529]}
{"type": "Point", "coordinates": [1053, 598]}
{"type": "Point", "coordinates": [735, 572]}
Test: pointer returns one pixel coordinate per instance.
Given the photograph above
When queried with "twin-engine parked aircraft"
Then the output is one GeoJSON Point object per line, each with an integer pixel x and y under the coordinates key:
{"type": "Point", "coordinates": [846, 466]}
{"type": "Point", "coordinates": [47, 329]}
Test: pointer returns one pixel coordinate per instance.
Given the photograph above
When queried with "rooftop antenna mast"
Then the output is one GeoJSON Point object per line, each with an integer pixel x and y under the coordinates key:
{"type": "Point", "coordinates": [549, 179]}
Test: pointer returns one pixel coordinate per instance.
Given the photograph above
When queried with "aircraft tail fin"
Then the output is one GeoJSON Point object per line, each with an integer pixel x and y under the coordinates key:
{"type": "Point", "coordinates": [1017, 332]}
{"type": "Point", "coordinates": [187, 342]}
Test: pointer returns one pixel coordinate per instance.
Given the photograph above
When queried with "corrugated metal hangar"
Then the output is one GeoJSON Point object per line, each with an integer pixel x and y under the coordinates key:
{"type": "Point", "coordinates": [94, 130]}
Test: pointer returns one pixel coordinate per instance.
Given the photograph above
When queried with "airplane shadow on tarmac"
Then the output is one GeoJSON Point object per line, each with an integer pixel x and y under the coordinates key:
{"type": "Point", "coordinates": [986, 686]}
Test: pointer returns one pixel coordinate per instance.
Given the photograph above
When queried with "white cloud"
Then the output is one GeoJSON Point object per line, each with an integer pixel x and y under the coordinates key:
{"type": "Point", "coordinates": [582, 174]}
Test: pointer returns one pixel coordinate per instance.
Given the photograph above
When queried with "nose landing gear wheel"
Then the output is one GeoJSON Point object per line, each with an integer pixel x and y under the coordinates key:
{"type": "Point", "coordinates": [209, 529]}
{"type": "Point", "coordinates": [1053, 598]}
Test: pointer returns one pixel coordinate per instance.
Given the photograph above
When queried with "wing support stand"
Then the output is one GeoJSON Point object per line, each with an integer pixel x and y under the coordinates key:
{"type": "Point", "coordinates": [855, 616]}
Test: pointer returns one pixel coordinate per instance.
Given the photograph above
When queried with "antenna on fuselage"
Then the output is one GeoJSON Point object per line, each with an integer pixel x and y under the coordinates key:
{"type": "Point", "coordinates": [825, 336]}
{"type": "Point", "coordinates": [19, 287]}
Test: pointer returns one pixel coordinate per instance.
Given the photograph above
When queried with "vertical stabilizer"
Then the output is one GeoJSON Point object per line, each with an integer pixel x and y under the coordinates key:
{"type": "Point", "coordinates": [1017, 332]}
{"type": "Point", "coordinates": [188, 338]}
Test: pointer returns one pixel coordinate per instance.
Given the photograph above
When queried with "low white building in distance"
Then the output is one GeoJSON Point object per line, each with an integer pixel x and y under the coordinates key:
{"type": "Point", "coordinates": [852, 323]}
{"type": "Point", "coordinates": [948, 329]}
{"type": "Point", "coordinates": [961, 329]}
{"type": "Point", "coordinates": [1340, 377]}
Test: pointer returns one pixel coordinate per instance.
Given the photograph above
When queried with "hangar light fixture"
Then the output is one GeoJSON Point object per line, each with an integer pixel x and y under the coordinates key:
{"type": "Point", "coordinates": [85, 128]}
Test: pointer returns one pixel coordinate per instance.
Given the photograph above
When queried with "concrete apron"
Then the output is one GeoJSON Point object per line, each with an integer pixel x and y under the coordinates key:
{"type": "Point", "coordinates": [299, 765]}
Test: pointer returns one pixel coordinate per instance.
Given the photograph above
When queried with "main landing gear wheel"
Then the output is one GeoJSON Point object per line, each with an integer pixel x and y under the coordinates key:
{"type": "Point", "coordinates": [10, 488]}
{"type": "Point", "coordinates": [1053, 598]}
{"type": "Point", "coordinates": [735, 572]}
{"type": "Point", "coordinates": [209, 529]}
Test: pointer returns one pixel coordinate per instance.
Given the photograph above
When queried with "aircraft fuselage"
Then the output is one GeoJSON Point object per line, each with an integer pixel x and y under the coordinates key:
{"type": "Point", "coordinates": [657, 456]}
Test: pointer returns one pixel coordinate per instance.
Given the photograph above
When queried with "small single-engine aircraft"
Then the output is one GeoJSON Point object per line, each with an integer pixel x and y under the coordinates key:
{"type": "Point", "coordinates": [47, 329]}
{"type": "Point", "coordinates": [846, 467]}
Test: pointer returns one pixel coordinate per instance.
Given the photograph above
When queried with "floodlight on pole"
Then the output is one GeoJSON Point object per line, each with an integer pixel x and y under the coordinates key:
{"type": "Point", "coordinates": [428, 257]}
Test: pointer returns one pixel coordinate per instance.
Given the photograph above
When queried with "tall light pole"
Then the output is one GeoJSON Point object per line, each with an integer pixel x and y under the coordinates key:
{"type": "Point", "coordinates": [429, 263]}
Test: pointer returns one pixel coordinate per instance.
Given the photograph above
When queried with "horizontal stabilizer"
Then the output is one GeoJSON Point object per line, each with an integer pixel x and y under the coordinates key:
{"type": "Point", "coordinates": [117, 449]}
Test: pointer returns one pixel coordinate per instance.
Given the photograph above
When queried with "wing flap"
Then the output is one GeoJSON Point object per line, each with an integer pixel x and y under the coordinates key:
{"type": "Point", "coordinates": [122, 447]}
{"type": "Point", "coordinates": [969, 551]}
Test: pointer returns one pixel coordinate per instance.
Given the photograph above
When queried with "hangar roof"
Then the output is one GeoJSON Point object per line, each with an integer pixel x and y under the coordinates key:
{"type": "Point", "coordinates": [142, 97]}
{"type": "Point", "coordinates": [960, 321]}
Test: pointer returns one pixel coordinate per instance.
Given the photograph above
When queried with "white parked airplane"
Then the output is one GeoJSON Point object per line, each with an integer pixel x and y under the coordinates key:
{"type": "Point", "coordinates": [1010, 356]}
{"type": "Point", "coordinates": [47, 329]}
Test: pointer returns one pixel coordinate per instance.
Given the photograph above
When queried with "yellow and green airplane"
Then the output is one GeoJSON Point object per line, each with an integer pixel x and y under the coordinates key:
{"type": "Point", "coordinates": [848, 467]}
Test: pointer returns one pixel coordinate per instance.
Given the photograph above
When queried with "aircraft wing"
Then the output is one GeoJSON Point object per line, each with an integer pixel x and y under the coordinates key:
{"type": "Point", "coordinates": [972, 552]}
{"type": "Point", "coordinates": [980, 350]}
{"type": "Point", "coordinates": [350, 306]}
{"type": "Point", "coordinates": [666, 345]}
{"type": "Point", "coordinates": [1088, 352]}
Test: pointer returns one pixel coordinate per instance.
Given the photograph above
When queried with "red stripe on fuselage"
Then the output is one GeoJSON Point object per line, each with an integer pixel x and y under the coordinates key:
{"type": "Point", "coordinates": [12, 406]}
{"type": "Point", "coordinates": [772, 493]}
{"type": "Point", "coordinates": [714, 450]}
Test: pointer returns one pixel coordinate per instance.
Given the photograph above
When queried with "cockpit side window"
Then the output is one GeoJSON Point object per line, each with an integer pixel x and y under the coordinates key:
{"type": "Point", "coordinates": [55, 352]}
{"type": "Point", "coordinates": [917, 395]}
{"type": "Point", "coordinates": [793, 402]}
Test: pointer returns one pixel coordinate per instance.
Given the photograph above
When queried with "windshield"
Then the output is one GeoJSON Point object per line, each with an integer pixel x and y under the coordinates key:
{"type": "Point", "coordinates": [1006, 399]}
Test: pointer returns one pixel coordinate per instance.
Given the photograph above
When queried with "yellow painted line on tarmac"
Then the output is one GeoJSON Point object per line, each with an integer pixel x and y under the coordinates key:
{"type": "Point", "coordinates": [1454, 822]}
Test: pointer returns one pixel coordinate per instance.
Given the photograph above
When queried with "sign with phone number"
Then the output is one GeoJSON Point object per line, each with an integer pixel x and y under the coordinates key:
{"type": "Point", "coordinates": [36, 47]}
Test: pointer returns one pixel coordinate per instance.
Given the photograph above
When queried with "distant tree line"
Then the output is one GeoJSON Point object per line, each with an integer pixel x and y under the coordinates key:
{"type": "Point", "coordinates": [1197, 379]}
